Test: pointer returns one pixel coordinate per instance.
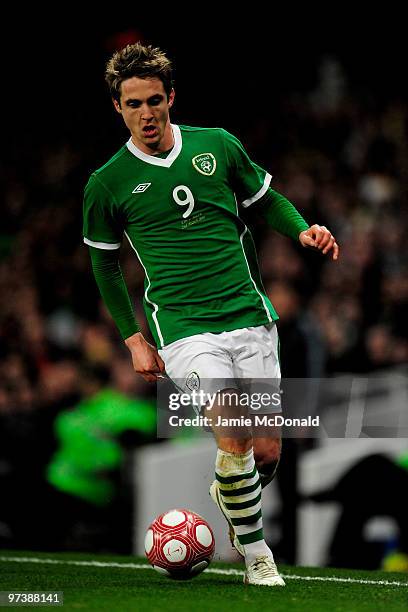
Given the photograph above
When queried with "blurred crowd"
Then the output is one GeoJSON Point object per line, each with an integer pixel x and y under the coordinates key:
{"type": "Point", "coordinates": [336, 153]}
{"type": "Point", "coordinates": [340, 158]}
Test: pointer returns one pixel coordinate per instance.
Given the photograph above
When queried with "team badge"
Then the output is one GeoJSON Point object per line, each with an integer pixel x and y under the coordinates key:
{"type": "Point", "coordinates": [193, 381]}
{"type": "Point", "coordinates": [205, 163]}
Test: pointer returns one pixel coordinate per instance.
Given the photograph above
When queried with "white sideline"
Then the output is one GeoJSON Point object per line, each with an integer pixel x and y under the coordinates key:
{"type": "Point", "coordinates": [215, 570]}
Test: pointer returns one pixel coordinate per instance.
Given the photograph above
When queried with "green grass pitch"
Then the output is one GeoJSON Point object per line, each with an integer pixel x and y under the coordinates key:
{"type": "Point", "coordinates": [120, 584]}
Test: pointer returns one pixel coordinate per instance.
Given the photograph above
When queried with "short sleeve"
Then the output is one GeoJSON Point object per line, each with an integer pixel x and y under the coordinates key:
{"type": "Point", "coordinates": [249, 181]}
{"type": "Point", "coordinates": [101, 226]}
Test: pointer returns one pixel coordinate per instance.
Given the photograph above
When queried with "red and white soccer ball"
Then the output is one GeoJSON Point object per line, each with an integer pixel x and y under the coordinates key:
{"type": "Point", "coordinates": [179, 544]}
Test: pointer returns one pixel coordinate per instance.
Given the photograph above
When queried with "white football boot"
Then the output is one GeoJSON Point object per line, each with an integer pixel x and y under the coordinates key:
{"type": "Point", "coordinates": [263, 572]}
{"type": "Point", "coordinates": [217, 499]}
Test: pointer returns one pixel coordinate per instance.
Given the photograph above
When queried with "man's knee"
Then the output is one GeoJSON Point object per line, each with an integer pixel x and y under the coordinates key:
{"type": "Point", "coordinates": [230, 438]}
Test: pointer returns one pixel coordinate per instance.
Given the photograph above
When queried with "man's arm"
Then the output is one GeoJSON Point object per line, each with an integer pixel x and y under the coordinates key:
{"type": "Point", "coordinates": [282, 216]}
{"type": "Point", "coordinates": [112, 286]}
{"type": "Point", "coordinates": [250, 183]}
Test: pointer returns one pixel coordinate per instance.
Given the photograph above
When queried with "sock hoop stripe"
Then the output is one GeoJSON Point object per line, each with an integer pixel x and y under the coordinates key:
{"type": "Point", "coordinates": [235, 478]}
{"type": "Point", "coordinates": [246, 520]}
{"type": "Point", "coordinates": [253, 536]}
{"type": "Point", "coordinates": [245, 504]}
{"type": "Point", "coordinates": [247, 512]}
{"type": "Point", "coordinates": [240, 491]}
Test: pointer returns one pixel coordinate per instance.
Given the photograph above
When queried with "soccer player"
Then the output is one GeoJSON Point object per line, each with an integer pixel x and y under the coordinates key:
{"type": "Point", "coordinates": [176, 192]}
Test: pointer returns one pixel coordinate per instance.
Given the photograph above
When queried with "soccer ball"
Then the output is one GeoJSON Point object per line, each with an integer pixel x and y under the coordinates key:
{"type": "Point", "coordinates": [179, 544]}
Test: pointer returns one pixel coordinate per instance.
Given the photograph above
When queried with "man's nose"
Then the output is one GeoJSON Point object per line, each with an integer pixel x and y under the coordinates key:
{"type": "Point", "coordinates": [146, 112]}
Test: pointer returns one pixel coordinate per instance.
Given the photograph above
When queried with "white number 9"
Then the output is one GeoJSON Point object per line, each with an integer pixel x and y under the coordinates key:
{"type": "Point", "coordinates": [188, 200]}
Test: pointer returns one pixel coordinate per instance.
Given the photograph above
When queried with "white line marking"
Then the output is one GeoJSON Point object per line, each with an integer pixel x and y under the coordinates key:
{"type": "Point", "coordinates": [215, 570]}
{"type": "Point", "coordinates": [155, 306]}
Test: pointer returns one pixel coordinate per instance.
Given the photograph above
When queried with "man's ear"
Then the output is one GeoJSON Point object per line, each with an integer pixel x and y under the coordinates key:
{"type": "Point", "coordinates": [116, 104]}
{"type": "Point", "coordinates": [171, 98]}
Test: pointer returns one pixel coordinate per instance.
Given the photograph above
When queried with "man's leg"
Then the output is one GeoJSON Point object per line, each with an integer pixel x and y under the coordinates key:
{"type": "Point", "coordinates": [257, 361]}
{"type": "Point", "coordinates": [209, 357]}
{"type": "Point", "coordinates": [267, 452]}
{"type": "Point", "coordinates": [238, 493]}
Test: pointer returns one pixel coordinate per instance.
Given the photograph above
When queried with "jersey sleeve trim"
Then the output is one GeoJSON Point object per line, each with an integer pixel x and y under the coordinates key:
{"type": "Point", "coordinates": [107, 246]}
{"type": "Point", "coordinates": [260, 193]}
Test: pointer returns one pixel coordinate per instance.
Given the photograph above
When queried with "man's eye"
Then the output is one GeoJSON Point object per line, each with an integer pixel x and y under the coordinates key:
{"type": "Point", "coordinates": [155, 101]}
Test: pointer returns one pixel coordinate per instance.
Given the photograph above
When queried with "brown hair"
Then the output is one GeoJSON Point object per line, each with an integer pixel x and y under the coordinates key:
{"type": "Point", "coordinates": [136, 60]}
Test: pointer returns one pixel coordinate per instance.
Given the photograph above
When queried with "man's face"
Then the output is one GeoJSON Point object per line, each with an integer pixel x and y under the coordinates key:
{"type": "Point", "coordinates": [145, 110]}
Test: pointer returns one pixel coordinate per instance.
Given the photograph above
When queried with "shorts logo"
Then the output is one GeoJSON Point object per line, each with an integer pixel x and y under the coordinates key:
{"type": "Point", "coordinates": [205, 163]}
{"type": "Point", "coordinates": [193, 381]}
{"type": "Point", "coordinates": [141, 187]}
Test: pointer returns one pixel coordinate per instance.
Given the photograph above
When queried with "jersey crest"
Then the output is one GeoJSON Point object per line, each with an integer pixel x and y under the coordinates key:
{"type": "Point", "coordinates": [205, 163]}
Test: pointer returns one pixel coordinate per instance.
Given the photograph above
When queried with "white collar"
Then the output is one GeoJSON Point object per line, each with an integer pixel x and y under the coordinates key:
{"type": "Point", "coordinates": [153, 159]}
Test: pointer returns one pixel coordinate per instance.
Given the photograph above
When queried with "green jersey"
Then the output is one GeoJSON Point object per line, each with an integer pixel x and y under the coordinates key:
{"type": "Point", "coordinates": [181, 215]}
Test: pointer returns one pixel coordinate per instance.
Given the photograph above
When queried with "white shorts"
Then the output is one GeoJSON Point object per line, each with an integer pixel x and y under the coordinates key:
{"type": "Point", "coordinates": [212, 362]}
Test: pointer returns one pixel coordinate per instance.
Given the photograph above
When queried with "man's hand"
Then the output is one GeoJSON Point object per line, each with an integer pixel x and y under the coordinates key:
{"type": "Point", "coordinates": [146, 360]}
{"type": "Point", "coordinates": [319, 237]}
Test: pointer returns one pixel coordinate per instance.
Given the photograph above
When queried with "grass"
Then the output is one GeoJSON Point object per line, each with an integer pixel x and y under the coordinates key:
{"type": "Point", "coordinates": [116, 587]}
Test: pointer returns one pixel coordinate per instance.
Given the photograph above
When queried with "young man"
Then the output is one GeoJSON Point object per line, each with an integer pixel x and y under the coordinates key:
{"type": "Point", "coordinates": [176, 192]}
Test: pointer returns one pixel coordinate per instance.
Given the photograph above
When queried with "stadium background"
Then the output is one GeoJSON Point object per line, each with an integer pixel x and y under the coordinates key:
{"type": "Point", "coordinates": [325, 113]}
